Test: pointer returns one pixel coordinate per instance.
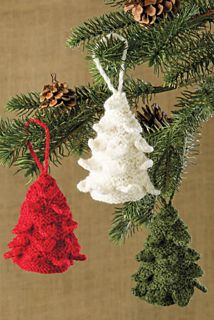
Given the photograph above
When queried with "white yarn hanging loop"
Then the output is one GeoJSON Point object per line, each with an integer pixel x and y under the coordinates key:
{"type": "Point", "coordinates": [122, 67]}
{"type": "Point", "coordinates": [118, 166]}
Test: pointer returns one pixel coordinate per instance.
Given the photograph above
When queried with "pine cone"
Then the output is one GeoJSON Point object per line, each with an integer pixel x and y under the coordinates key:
{"type": "Point", "coordinates": [57, 94]}
{"type": "Point", "coordinates": [153, 117]}
{"type": "Point", "coordinates": [147, 11]}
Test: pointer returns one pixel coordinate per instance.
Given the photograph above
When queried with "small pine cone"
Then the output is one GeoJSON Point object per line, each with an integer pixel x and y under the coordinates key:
{"type": "Point", "coordinates": [153, 117]}
{"type": "Point", "coordinates": [147, 11]}
{"type": "Point", "coordinates": [57, 94]}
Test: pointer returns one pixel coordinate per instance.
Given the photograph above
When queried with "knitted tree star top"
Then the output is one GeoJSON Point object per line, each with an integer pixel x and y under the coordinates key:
{"type": "Point", "coordinates": [118, 166]}
{"type": "Point", "coordinates": [45, 241]}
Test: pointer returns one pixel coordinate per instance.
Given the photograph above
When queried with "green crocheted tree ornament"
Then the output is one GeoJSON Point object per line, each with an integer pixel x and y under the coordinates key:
{"type": "Point", "coordinates": [168, 271]}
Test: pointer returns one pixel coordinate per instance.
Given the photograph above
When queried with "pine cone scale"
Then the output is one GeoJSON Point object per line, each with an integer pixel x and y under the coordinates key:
{"type": "Point", "coordinates": [160, 9]}
{"type": "Point", "coordinates": [151, 11]}
{"type": "Point", "coordinates": [153, 117]}
{"type": "Point", "coordinates": [147, 11]}
{"type": "Point", "coordinates": [56, 95]}
{"type": "Point", "coordinates": [149, 2]}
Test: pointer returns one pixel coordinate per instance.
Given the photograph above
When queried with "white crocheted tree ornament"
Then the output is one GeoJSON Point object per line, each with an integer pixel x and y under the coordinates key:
{"type": "Point", "coordinates": [118, 165]}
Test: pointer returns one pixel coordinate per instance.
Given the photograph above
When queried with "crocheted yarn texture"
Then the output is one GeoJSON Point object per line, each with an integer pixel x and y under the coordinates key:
{"type": "Point", "coordinates": [118, 166]}
{"type": "Point", "coordinates": [45, 241]}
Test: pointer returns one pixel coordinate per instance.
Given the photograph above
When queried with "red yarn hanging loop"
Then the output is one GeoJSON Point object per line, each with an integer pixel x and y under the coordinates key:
{"type": "Point", "coordinates": [45, 241]}
{"type": "Point", "coordinates": [47, 146]}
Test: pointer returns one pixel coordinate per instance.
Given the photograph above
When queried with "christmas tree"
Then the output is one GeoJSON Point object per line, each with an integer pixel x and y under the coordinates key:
{"type": "Point", "coordinates": [118, 166]}
{"type": "Point", "coordinates": [45, 241]}
{"type": "Point", "coordinates": [168, 271]}
{"type": "Point", "coordinates": [175, 40]}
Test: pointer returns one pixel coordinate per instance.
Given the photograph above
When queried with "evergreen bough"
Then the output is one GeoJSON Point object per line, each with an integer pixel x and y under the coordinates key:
{"type": "Point", "coordinates": [181, 49]}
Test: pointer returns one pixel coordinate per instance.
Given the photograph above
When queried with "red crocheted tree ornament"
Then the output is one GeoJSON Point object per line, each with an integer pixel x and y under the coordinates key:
{"type": "Point", "coordinates": [45, 241]}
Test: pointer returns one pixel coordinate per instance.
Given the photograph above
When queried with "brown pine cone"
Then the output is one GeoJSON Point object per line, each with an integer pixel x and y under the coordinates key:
{"type": "Point", "coordinates": [57, 94]}
{"type": "Point", "coordinates": [147, 11]}
{"type": "Point", "coordinates": [153, 117]}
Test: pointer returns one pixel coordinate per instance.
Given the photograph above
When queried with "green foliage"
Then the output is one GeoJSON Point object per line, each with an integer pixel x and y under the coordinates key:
{"type": "Point", "coordinates": [119, 3]}
{"type": "Point", "coordinates": [181, 48]}
{"type": "Point", "coordinates": [122, 22]}
{"type": "Point", "coordinates": [24, 104]}
{"type": "Point", "coordinates": [130, 218]}
{"type": "Point", "coordinates": [168, 271]}
{"type": "Point", "coordinates": [12, 140]}
{"type": "Point", "coordinates": [203, 5]}
{"type": "Point", "coordinates": [105, 24]}
{"type": "Point", "coordinates": [71, 130]}
{"type": "Point", "coordinates": [184, 40]}
{"type": "Point", "coordinates": [160, 46]}
{"type": "Point", "coordinates": [192, 63]}
{"type": "Point", "coordinates": [96, 95]}
{"type": "Point", "coordinates": [66, 130]}
{"type": "Point", "coordinates": [175, 145]}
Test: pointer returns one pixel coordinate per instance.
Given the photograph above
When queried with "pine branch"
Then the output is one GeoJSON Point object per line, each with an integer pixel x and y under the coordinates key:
{"type": "Point", "coordinates": [88, 97]}
{"type": "Point", "coordinates": [107, 23]}
{"type": "Point", "coordinates": [130, 218]}
{"type": "Point", "coordinates": [204, 5]}
{"type": "Point", "coordinates": [172, 143]}
{"type": "Point", "coordinates": [153, 45]}
{"type": "Point", "coordinates": [136, 89]}
{"type": "Point", "coordinates": [72, 130]}
{"type": "Point", "coordinates": [12, 139]}
{"type": "Point", "coordinates": [69, 132]}
{"type": "Point", "coordinates": [24, 104]}
{"type": "Point", "coordinates": [193, 63]}
{"type": "Point", "coordinates": [156, 46]}
{"type": "Point", "coordinates": [114, 3]}
{"type": "Point", "coordinates": [174, 146]}
{"type": "Point", "coordinates": [168, 163]}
